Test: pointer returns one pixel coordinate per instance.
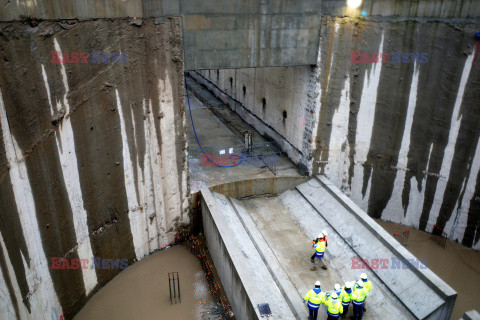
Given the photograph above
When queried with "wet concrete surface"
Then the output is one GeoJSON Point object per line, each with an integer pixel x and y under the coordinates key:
{"type": "Point", "coordinates": [215, 134]}
{"type": "Point", "coordinates": [141, 291]}
{"type": "Point", "coordinates": [457, 265]}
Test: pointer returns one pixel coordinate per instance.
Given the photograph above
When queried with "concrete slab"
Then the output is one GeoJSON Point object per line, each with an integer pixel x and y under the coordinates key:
{"type": "Point", "coordinates": [271, 240]}
{"type": "Point", "coordinates": [246, 279]}
{"type": "Point", "coordinates": [471, 315]}
{"type": "Point", "coordinates": [214, 135]}
{"type": "Point", "coordinates": [280, 276]}
{"type": "Point", "coordinates": [289, 223]}
{"type": "Point", "coordinates": [370, 241]}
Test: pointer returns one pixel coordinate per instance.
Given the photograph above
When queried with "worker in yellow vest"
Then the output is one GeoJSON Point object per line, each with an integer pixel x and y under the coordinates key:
{"type": "Point", "coordinates": [367, 285]}
{"type": "Point", "coordinates": [334, 307]}
{"type": "Point", "coordinates": [314, 298]}
{"type": "Point", "coordinates": [358, 297]}
{"type": "Point", "coordinates": [319, 244]}
{"type": "Point", "coordinates": [346, 297]}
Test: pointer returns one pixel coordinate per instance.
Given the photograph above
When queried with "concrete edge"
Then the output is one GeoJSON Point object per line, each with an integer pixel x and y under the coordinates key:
{"type": "Point", "coordinates": [434, 281]}
{"type": "Point", "coordinates": [207, 198]}
{"type": "Point", "coordinates": [258, 186]}
{"type": "Point", "coordinates": [471, 315]}
{"type": "Point", "coordinates": [281, 278]}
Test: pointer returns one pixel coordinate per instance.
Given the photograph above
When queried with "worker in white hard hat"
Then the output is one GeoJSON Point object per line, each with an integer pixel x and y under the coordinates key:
{"type": "Point", "coordinates": [358, 297]}
{"type": "Point", "coordinates": [319, 244]}
{"type": "Point", "coordinates": [367, 285]}
{"type": "Point", "coordinates": [314, 298]}
{"type": "Point", "coordinates": [337, 290]}
{"type": "Point", "coordinates": [346, 297]}
{"type": "Point", "coordinates": [334, 307]}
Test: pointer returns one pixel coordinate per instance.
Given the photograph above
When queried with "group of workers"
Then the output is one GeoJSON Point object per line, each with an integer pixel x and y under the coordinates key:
{"type": "Point", "coordinates": [338, 300]}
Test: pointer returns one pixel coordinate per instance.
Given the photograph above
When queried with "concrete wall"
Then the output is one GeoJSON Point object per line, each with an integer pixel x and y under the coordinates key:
{"type": "Point", "coordinates": [92, 157]}
{"type": "Point", "coordinates": [275, 99]}
{"type": "Point", "coordinates": [463, 9]}
{"type": "Point", "coordinates": [248, 33]}
{"type": "Point", "coordinates": [217, 33]}
{"type": "Point", "coordinates": [226, 268]}
{"type": "Point", "coordinates": [87, 9]}
{"type": "Point", "coordinates": [402, 139]}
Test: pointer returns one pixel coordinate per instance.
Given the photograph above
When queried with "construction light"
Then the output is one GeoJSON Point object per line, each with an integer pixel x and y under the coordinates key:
{"type": "Point", "coordinates": [354, 3]}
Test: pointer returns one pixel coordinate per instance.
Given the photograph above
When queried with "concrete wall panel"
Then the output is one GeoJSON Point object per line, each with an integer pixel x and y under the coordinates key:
{"type": "Point", "coordinates": [400, 138]}
{"type": "Point", "coordinates": [92, 156]}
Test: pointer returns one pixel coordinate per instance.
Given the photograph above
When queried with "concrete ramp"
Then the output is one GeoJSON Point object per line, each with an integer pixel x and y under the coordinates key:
{"type": "Point", "coordinates": [261, 247]}
{"type": "Point", "coordinates": [423, 293]}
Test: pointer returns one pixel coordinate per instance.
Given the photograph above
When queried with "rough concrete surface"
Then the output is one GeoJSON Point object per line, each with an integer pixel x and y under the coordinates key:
{"type": "Point", "coordinates": [278, 231]}
{"type": "Point", "coordinates": [92, 159]}
{"type": "Point", "coordinates": [245, 276]}
{"type": "Point", "coordinates": [400, 138]}
{"type": "Point", "coordinates": [219, 131]}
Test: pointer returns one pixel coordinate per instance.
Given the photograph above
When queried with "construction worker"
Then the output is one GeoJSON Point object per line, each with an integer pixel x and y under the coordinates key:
{"type": "Point", "coordinates": [334, 307]}
{"type": "Point", "coordinates": [346, 297]}
{"type": "Point", "coordinates": [319, 244]}
{"type": "Point", "coordinates": [358, 297]}
{"type": "Point", "coordinates": [337, 290]}
{"type": "Point", "coordinates": [367, 285]}
{"type": "Point", "coordinates": [314, 298]}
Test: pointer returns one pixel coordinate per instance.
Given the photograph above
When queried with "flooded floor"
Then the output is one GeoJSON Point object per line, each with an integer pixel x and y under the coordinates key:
{"type": "Point", "coordinates": [457, 265]}
{"type": "Point", "coordinates": [141, 291]}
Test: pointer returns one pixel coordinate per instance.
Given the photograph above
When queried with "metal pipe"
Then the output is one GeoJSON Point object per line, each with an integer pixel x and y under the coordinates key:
{"type": "Point", "coordinates": [174, 292]}
{"type": "Point", "coordinates": [170, 288]}
{"type": "Point", "coordinates": [178, 282]}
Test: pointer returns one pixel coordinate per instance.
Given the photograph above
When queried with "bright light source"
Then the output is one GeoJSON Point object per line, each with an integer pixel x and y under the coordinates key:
{"type": "Point", "coordinates": [354, 3]}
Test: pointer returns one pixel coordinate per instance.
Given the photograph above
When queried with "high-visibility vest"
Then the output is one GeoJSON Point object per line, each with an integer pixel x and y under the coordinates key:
{"type": "Point", "coordinates": [359, 295]}
{"type": "Point", "coordinates": [346, 297]}
{"type": "Point", "coordinates": [314, 299]}
{"type": "Point", "coordinates": [366, 284]}
{"type": "Point", "coordinates": [320, 246]}
{"type": "Point", "coordinates": [334, 306]}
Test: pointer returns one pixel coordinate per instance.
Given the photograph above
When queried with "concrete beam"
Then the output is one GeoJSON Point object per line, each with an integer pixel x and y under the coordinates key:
{"type": "Point", "coordinates": [471, 315]}
{"type": "Point", "coordinates": [244, 275]}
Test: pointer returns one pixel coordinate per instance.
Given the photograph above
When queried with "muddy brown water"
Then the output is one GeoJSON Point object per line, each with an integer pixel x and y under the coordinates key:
{"type": "Point", "coordinates": [456, 265]}
{"type": "Point", "coordinates": [141, 291]}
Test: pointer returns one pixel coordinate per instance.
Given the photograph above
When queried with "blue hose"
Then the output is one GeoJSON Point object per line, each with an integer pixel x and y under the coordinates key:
{"type": "Point", "coordinates": [196, 137]}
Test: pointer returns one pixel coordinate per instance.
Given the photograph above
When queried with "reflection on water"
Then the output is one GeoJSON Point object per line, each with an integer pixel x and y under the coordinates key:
{"type": "Point", "coordinates": [455, 264]}
{"type": "Point", "coordinates": [141, 291]}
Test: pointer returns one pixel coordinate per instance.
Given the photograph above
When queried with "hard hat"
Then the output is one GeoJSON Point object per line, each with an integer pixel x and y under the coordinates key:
{"type": "Point", "coordinates": [360, 283]}
{"type": "Point", "coordinates": [317, 284]}
{"type": "Point", "coordinates": [334, 296]}
{"type": "Point", "coordinates": [363, 276]}
{"type": "Point", "coordinates": [348, 285]}
{"type": "Point", "coordinates": [325, 232]}
{"type": "Point", "coordinates": [337, 286]}
{"type": "Point", "coordinates": [320, 235]}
